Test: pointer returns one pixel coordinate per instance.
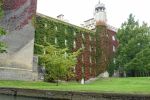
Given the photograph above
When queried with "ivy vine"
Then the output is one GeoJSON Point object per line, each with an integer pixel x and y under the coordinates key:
{"type": "Point", "coordinates": [93, 59]}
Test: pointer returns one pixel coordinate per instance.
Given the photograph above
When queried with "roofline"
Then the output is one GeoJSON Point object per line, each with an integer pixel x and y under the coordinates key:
{"type": "Point", "coordinates": [57, 20]}
{"type": "Point", "coordinates": [88, 19]}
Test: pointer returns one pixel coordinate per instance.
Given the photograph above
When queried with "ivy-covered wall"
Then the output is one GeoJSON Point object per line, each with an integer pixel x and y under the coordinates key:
{"type": "Point", "coordinates": [73, 37]}
{"type": "Point", "coordinates": [20, 12]}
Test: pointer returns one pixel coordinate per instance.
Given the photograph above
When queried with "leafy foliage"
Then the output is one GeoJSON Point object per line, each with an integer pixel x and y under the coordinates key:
{"type": "Point", "coordinates": [58, 63]}
{"type": "Point", "coordinates": [1, 10]}
{"type": "Point", "coordinates": [48, 29]}
{"type": "Point", "coordinates": [2, 31]}
{"type": "Point", "coordinates": [134, 45]}
{"type": "Point", "coordinates": [2, 47]}
{"type": "Point", "coordinates": [65, 35]}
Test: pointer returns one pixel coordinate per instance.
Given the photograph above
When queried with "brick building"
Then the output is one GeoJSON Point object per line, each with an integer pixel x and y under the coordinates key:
{"type": "Point", "coordinates": [96, 37]}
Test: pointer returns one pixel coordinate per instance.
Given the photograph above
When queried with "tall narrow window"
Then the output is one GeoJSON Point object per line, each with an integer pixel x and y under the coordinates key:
{"type": "Point", "coordinates": [113, 38]}
{"type": "Point", "coordinates": [65, 31]}
{"type": "Point", "coordinates": [74, 44]}
{"type": "Point", "coordinates": [56, 28]}
{"type": "Point", "coordinates": [105, 58]}
{"type": "Point", "coordinates": [90, 48]}
{"type": "Point", "coordinates": [82, 58]}
{"type": "Point", "coordinates": [83, 46]}
{"type": "Point", "coordinates": [107, 35]}
{"type": "Point", "coordinates": [83, 36]}
{"type": "Point", "coordinates": [55, 40]}
{"type": "Point", "coordinates": [90, 59]}
{"type": "Point", "coordinates": [65, 54]}
{"type": "Point", "coordinates": [114, 49]}
{"type": "Point", "coordinates": [65, 42]}
{"type": "Point", "coordinates": [45, 25]}
{"type": "Point", "coordinates": [74, 33]}
{"type": "Point", "coordinates": [90, 38]}
{"type": "Point", "coordinates": [114, 61]}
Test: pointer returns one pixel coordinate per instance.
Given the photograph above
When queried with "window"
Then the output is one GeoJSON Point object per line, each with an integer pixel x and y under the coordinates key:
{"type": "Point", "coordinates": [83, 46]}
{"type": "Point", "coordinates": [90, 38]}
{"type": "Point", "coordinates": [65, 42]}
{"type": "Point", "coordinates": [90, 48]}
{"type": "Point", "coordinates": [74, 33]}
{"type": "Point", "coordinates": [65, 31]}
{"type": "Point", "coordinates": [114, 60]}
{"type": "Point", "coordinates": [83, 36]}
{"type": "Point", "coordinates": [55, 40]}
{"type": "Point", "coordinates": [105, 58]}
{"type": "Point", "coordinates": [113, 38]}
{"type": "Point", "coordinates": [56, 28]}
{"type": "Point", "coordinates": [74, 69]}
{"type": "Point", "coordinates": [90, 59]}
{"type": "Point", "coordinates": [82, 58]}
{"type": "Point", "coordinates": [65, 54]}
{"type": "Point", "coordinates": [45, 25]}
{"type": "Point", "coordinates": [114, 49]}
{"type": "Point", "coordinates": [74, 44]}
{"type": "Point", "coordinates": [107, 35]}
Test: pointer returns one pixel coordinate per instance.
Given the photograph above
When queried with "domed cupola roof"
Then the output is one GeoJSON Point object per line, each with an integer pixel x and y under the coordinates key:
{"type": "Point", "coordinates": [100, 7]}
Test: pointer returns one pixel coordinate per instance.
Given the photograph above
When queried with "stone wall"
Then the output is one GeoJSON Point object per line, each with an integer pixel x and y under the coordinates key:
{"type": "Point", "coordinates": [17, 63]}
{"type": "Point", "coordinates": [69, 95]}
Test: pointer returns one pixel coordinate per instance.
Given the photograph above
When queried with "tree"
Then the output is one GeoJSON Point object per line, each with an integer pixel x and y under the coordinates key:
{"type": "Point", "coordinates": [133, 39]}
{"type": "Point", "coordinates": [58, 62]}
{"type": "Point", "coordinates": [141, 61]}
{"type": "Point", "coordinates": [2, 45]}
{"type": "Point", "coordinates": [2, 31]}
{"type": "Point", "coordinates": [1, 10]}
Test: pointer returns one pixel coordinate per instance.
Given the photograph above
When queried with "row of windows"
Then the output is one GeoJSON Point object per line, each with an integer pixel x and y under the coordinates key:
{"type": "Point", "coordinates": [74, 44]}
{"type": "Point", "coordinates": [82, 45]}
{"type": "Point", "coordinates": [56, 29]}
{"type": "Point", "coordinates": [74, 33]}
{"type": "Point", "coordinates": [83, 37]}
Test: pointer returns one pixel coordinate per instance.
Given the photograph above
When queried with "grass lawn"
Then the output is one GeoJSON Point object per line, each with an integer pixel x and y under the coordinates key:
{"type": "Point", "coordinates": [139, 85]}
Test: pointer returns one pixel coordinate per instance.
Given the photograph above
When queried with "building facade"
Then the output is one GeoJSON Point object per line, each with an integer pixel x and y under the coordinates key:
{"type": "Point", "coordinates": [98, 41]}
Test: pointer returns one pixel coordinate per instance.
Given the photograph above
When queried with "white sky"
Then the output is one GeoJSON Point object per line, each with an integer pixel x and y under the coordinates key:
{"type": "Point", "coordinates": [77, 11]}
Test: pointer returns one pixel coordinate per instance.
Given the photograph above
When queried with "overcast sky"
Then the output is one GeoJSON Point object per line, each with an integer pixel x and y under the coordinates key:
{"type": "Point", "coordinates": [77, 11]}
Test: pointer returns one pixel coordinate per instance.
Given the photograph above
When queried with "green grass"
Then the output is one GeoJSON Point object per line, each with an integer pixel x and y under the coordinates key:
{"type": "Point", "coordinates": [113, 85]}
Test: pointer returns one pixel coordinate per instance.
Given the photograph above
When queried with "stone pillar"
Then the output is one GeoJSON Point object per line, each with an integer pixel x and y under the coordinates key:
{"type": "Point", "coordinates": [18, 21]}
